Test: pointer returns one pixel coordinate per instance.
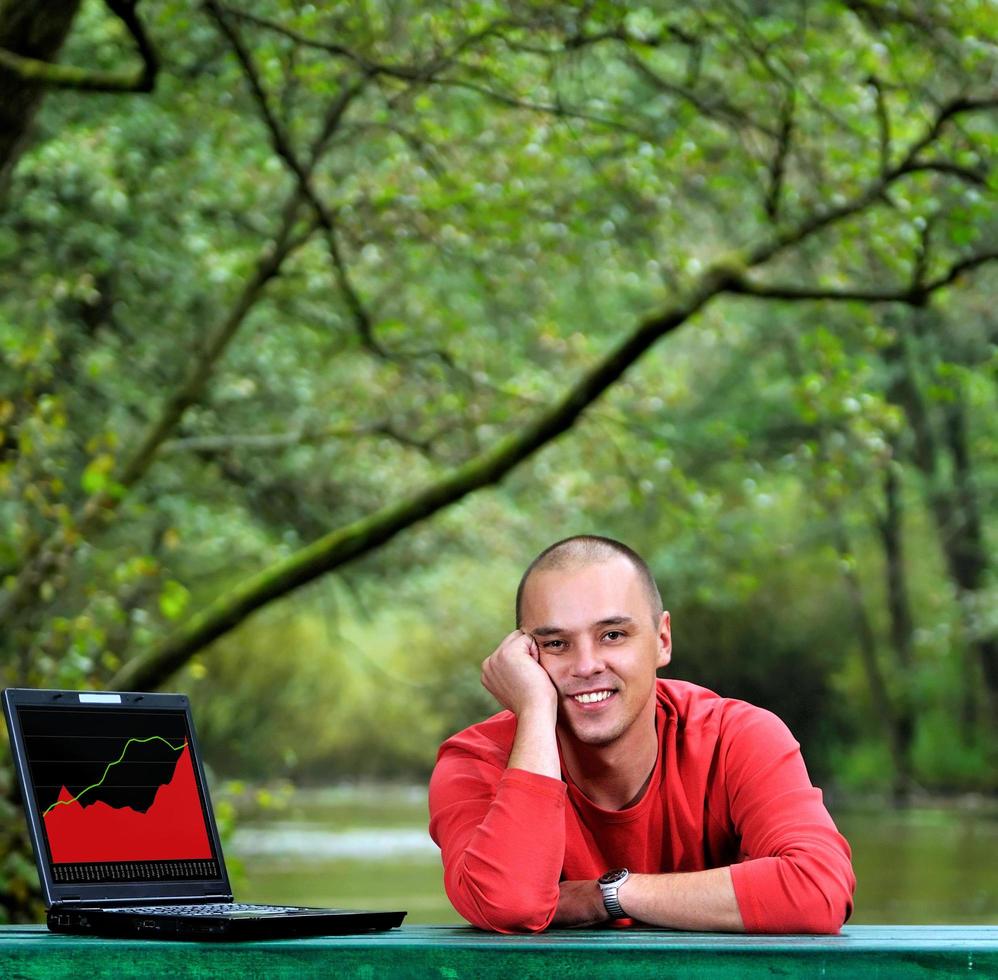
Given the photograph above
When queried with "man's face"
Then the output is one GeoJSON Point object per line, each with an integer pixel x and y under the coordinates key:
{"type": "Point", "coordinates": [599, 644]}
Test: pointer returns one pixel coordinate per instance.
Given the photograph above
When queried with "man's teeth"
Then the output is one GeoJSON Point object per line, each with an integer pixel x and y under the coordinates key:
{"type": "Point", "coordinates": [593, 697]}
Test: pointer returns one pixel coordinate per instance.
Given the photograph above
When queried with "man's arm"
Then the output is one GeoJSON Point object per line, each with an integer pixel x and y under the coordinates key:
{"type": "Point", "coordinates": [696, 900]}
{"type": "Point", "coordinates": [796, 874]}
{"type": "Point", "coordinates": [498, 814]}
{"type": "Point", "coordinates": [514, 677]}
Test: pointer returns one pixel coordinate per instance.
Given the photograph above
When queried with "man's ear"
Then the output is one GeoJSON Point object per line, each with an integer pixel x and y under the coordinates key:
{"type": "Point", "coordinates": [664, 640]}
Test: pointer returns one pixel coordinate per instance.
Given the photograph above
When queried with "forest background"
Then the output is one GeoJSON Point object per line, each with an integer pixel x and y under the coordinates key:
{"type": "Point", "coordinates": [318, 321]}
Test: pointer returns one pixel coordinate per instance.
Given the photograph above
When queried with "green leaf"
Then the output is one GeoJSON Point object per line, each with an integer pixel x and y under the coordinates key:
{"type": "Point", "coordinates": [173, 599]}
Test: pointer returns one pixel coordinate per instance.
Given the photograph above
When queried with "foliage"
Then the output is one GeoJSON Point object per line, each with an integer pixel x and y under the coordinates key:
{"type": "Point", "coordinates": [346, 265]}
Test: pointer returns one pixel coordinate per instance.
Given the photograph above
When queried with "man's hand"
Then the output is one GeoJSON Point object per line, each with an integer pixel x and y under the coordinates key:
{"type": "Point", "coordinates": [514, 677]}
{"type": "Point", "coordinates": [580, 904]}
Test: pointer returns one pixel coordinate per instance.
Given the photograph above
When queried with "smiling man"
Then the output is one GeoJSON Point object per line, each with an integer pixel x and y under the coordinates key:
{"type": "Point", "coordinates": [602, 794]}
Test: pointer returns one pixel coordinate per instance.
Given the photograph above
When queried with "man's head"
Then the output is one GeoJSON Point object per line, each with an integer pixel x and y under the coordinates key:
{"type": "Point", "coordinates": [590, 549]}
{"type": "Point", "coordinates": [593, 608]}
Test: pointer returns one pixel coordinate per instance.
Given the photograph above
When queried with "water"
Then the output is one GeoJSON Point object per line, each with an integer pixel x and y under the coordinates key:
{"type": "Point", "coordinates": [368, 848]}
{"type": "Point", "coordinates": [927, 864]}
{"type": "Point", "coordinates": [356, 848]}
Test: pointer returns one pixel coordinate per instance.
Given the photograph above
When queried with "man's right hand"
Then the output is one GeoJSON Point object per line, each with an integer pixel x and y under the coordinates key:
{"type": "Point", "coordinates": [514, 677]}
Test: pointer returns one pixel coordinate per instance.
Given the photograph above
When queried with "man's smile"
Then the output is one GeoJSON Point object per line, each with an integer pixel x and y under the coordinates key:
{"type": "Point", "coordinates": [599, 696]}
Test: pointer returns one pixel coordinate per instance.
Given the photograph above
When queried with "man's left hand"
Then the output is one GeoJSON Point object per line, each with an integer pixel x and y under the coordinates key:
{"type": "Point", "coordinates": [580, 904]}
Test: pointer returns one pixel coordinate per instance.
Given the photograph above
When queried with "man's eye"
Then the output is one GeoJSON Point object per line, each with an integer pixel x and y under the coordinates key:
{"type": "Point", "coordinates": [612, 635]}
{"type": "Point", "coordinates": [553, 644]}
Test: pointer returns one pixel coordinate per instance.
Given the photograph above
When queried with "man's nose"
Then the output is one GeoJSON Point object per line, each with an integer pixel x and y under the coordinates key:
{"type": "Point", "coordinates": [588, 659]}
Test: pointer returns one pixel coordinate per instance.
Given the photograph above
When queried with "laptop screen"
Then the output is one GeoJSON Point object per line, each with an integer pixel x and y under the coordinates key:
{"type": "Point", "coordinates": [117, 792]}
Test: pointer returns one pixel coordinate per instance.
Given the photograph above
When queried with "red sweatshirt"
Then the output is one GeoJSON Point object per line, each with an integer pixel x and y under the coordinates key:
{"type": "Point", "coordinates": [729, 788]}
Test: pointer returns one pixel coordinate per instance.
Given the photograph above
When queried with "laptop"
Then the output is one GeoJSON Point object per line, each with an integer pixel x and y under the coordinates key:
{"type": "Point", "coordinates": [122, 825]}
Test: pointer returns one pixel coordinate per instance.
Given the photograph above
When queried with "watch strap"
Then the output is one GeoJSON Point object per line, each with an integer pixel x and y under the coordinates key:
{"type": "Point", "coordinates": [609, 884]}
{"type": "Point", "coordinates": [612, 903]}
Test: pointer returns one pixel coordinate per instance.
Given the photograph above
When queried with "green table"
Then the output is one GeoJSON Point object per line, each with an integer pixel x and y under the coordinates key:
{"type": "Point", "coordinates": [443, 951]}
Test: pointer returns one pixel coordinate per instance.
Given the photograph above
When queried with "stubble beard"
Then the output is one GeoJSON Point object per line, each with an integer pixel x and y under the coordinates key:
{"type": "Point", "coordinates": [596, 739]}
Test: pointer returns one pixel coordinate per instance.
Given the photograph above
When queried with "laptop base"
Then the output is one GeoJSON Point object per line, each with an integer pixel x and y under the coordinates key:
{"type": "Point", "coordinates": [115, 923]}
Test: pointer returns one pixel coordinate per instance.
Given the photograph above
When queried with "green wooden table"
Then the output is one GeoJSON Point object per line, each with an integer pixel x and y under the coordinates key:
{"type": "Point", "coordinates": [448, 952]}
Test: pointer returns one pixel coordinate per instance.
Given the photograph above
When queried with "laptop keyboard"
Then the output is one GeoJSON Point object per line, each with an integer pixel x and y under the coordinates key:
{"type": "Point", "coordinates": [222, 908]}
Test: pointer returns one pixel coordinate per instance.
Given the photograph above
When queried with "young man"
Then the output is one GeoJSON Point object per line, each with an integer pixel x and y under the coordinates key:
{"type": "Point", "coordinates": [603, 794]}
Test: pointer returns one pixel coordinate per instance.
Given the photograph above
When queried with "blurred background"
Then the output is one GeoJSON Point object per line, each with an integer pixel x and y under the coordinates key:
{"type": "Point", "coordinates": [319, 321]}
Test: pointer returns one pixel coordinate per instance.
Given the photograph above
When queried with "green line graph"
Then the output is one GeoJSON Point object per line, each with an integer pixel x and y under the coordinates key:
{"type": "Point", "coordinates": [110, 765]}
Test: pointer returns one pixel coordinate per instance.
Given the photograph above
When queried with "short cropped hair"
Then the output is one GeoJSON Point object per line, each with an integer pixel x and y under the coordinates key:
{"type": "Point", "coordinates": [590, 549]}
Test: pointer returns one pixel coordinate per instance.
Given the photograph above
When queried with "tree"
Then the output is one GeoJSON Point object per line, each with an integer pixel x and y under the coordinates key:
{"type": "Point", "coordinates": [721, 150]}
{"type": "Point", "coordinates": [344, 267]}
{"type": "Point", "coordinates": [31, 36]}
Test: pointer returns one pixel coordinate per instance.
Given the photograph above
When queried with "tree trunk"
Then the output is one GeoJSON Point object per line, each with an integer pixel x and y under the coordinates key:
{"type": "Point", "coordinates": [954, 507]}
{"type": "Point", "coordinates": [896, 725]}
{"type": "Point", "coordinates": [35, 29]}
{"type": "Point", "coordinates": [898, 739]}
{"type": "Point", "coordinates": [969, 559]}
{"type": "Point", "coordinates": [901, 630]}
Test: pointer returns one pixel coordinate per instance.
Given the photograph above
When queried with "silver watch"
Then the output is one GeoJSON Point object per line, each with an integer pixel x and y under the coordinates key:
{"type": "Point", "coordinates": [609, 883]}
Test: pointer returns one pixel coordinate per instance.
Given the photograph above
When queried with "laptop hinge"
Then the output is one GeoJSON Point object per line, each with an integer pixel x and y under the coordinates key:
{"type": "Point", "coordinates": [71, 901]}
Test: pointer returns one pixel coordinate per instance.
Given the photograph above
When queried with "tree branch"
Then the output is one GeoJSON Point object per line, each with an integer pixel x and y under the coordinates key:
{"type": "Point", "coordinates": [959, 106]}
{"type": "Point", "coordinates": [362, 536]}
{"type": "Point", "coordinates": [410, 73]}
{"type": "Point", "coordinates": [714, 106]}
{"type": "Point", "coordinates": [363, 321]}
{"type": "Point", "coordinates": [874, 191]}
{"type": "Point", "coordinates": [431, 71]}
{"type": "Point", "coordinates": [883, 123]}
{"type": "Point", "coordinates": [54, 75]}
{"type": "Point", "coordinates": [344, 544]}
{"type": "Point", "coordinates": [580, 39]}
{"type": "Point", "coordinates": [917, 294]}
{"type": "Point", "coordinates": [778, 166]}
{"type": "Point", "coordinates": [282, 146]}
{"type": "Point", "coordinates": [269, 441]}
{"type": "Point", "coordinates": [53, 552]}
{"type": "Point", "coordinates": [546, 108]}
{"type": "Point", "coordinates": [950, 169]}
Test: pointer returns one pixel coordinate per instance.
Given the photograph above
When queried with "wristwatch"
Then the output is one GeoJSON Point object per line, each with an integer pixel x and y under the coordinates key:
{"type": "Point", "coordinates": [609, 883]}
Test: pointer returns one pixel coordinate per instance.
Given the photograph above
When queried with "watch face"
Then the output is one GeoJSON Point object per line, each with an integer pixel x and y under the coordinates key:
{"type": "Point", "coordinates": [612, 877]}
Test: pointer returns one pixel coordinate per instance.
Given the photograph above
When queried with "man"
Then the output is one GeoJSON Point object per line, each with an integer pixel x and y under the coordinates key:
{"type": "Point", "coordinates": [604, 794]}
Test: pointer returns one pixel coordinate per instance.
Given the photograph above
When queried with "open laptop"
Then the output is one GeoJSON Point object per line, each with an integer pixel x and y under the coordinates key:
{"type": "Point", "coordinates": [122, 824]}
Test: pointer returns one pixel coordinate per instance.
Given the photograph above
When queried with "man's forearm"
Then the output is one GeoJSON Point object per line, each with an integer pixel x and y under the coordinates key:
{"type": "Point", "coordinates": [535, 747]}
{"type": "Point", "coordinates": [695, 900]}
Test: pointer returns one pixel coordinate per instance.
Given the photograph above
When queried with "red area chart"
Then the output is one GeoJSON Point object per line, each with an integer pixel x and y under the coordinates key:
{"type": "Point", "coordinates": [173, 827]}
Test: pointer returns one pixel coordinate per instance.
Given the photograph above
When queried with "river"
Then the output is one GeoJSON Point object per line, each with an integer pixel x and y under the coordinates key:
{"type": "Point", "coordinates": [367, 847]}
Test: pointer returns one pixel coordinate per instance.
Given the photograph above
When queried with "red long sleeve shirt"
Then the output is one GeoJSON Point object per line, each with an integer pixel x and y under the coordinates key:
{"type": "Point", "coordinates": [729, 788]}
